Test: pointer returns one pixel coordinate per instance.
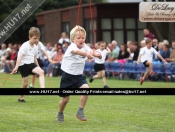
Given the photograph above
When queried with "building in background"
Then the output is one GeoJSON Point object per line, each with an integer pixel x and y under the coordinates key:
{"type": "Point", "coordinates": [112, 21]}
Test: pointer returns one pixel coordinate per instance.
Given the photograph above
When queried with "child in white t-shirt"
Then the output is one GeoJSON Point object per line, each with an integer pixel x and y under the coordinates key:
{"type": "Point", "coordinates": [73, 66]}
{"type": "Point", "coordinates": [27, 63]}
{"type": "Point", "coordinates": [99, 63]}
{"type": "Point", "coordinates": [146, 57]}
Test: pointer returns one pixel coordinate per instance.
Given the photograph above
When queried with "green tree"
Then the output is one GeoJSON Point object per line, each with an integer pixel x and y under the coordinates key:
{"type": "Point", "coordinates": [21, 34]}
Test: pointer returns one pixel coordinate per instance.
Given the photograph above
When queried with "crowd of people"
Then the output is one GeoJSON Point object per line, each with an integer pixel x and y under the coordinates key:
{"type": "Point", "coordinates": [120, 53]}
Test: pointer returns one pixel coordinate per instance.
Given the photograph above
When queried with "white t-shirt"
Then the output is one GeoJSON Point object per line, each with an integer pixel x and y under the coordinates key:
{"type": "Point", "coordinates": [40, 47]}
{"type": "Point", "coordinates": [147, 54]}
{"type": "Point", "coordinates": [28, 53]}
{"type": "Point", "coordinates": [103, 54]}
{"type": "Point", "coordinates": [72, 63]}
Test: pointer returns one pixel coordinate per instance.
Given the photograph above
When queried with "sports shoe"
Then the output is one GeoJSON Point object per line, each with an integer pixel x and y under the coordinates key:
{"type": "Point", "coordinates": [153, 73]}
{"type": "Point", "coordinates": [141, 80]}
{"type": "Point", "coordinates": [30, 86]}
{"type": "Point", "coordinates": [105, 86]}
{"type": "Point", "coordinates": [21, 100]}
{"type": "Point", "coordinates": [60, 118]}
{"type": "Point", "coordinates": [91, 79]}
{"type": "Point", "coordinates": [80, 115]}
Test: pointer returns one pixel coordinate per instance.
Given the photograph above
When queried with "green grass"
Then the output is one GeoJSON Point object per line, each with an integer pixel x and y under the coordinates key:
{"type": "Point", "coordinates": [104, 113]}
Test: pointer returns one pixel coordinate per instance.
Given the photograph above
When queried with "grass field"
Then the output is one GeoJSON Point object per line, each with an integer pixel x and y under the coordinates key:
{"type": "Point", "coordinates": [104, 113]}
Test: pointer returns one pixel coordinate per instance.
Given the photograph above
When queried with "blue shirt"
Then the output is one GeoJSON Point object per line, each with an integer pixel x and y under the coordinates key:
{"type": "Point", "coordinates": [165, 54]}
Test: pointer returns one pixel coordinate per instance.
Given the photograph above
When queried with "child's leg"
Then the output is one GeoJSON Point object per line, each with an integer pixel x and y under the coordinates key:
{"type": "Point", "coordinates": [63, 103]}
{"type": "Point", "coordinates": [40, 72]}
{"type": "Point", "coordinates": [24, 85]}
{"type": "Point", "coordinates": [61, 108]}
{"type": "Point", "coordinates": [83, 99]}
{"type": "Point", "coordinates": [98, 75]}
{"type": "Point", "coordinates": [148, 70]}
{"type": "Point", "coordinates": [103, 77]}
{"type": "Point", "coordinates": [33, 80]}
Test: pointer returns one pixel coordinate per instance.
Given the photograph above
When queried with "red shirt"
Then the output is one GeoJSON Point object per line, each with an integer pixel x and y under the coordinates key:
{"type": "Point", "coordinates": [13, 56]}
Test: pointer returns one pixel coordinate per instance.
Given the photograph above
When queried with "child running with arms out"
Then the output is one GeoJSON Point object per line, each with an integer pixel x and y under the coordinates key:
{"type": "Point", "coordinates": [73, 66]}
{"type": "Point", "coordinates": [27, 63]}
{"type": "Point", "coordinates": [99, 63]}
{"type": "Point", "coordinates": [146, 57]}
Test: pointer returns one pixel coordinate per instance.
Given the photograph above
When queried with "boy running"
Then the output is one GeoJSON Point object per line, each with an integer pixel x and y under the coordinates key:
{"type": "Point", "coordinates": [99, 63]}
{"type": "Point", "coordinates": [146, 57]}
{"type": "Point", "coordinates": [73, 65]}
{"type": "Point", "coordinates": [27, 62]}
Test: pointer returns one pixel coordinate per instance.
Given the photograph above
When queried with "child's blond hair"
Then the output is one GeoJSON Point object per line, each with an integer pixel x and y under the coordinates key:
{"type": "Point", "coordinates": [75, 30]}
{"type": "Point", "coordinates": [34, 31]}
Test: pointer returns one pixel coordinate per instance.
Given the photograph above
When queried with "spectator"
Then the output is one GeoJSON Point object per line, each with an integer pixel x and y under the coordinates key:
{"type": "Point", "coordinates": [65, 46]}
{"type": "Point", "coordinates": [115, 46]}
{"type": "Point", "coordinates": [166, 52]}
{"type": "Point", "coordinates": [113, 55]}
{"type": "Point", "coordinates": [142, 44]}
{"type": "Point", "coordinates": [136, 50]}
{"type": "Point", "coordinates": [48, 50]}
{"type": "Point", "coordinates": [54, 50]}
{"type": "Point", "coordinates": [172, 54]}
{"type": "Point", "coordinates": [160, 50]}
{"type": "Point", "coordinates": [123, 54]}
{"type": "Point", "coordinates": [63, 38]}
{"type": "Point", "coordinates": [155, 44]}
{"type": "Point", "coordinates": [11, 59]}
{"type": "Point", "coordinates": [3, 50]}
{"type": "Point", "coordinates": [129, 43]}
{"type": "Point", "coordinates": [10, 45]}
{"type": "Point", "coordinates": [57, 58]}
{"type": "Point", "coordinates": [2, 56]}
{"type": "Point", "coordinates": [147, 34]}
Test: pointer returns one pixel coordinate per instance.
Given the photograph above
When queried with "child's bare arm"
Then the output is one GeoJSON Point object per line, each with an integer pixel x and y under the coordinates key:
{"type": "Point", "coordinates": [17, 64]}
{"type": "Point", "coordinates": [138, 59]}
{"type": "Point", "coordinates": [82, 53]}
{"type": "Point", "coordinates": [163, 60]}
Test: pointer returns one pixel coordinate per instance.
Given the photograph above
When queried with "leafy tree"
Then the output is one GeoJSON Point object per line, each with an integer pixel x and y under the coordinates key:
{"type": "Point", "coordinates": [21, 34]}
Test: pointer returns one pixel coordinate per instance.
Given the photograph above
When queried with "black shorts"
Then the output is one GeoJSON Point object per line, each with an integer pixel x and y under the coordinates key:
{"type": "Point", "coordinates": [144, 63]}
{"type": "Point", "coordinates": [26, 69]}
{"type": "Point", "coordinates": [99, 67]}
{"type": "Point", "coordinates": [72, 81]}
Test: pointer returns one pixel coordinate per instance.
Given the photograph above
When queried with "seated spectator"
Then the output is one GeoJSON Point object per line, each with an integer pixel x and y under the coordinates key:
{"type": "Point", "coordinates": [11, 59]}
{"type": "Point", "coordinates": [65, 46]}
{"type": "Point", "coordinates": [54, 50]}
{"type": "Point", "coordinates": [2, 56]}
{"type": "Point", "coordinates": [57, 58]}
{"type": "Point", "coordinates": [172, 54]}
{"type": "Point", "coordinates": [63, 38]}
{"type": "Point", "coordinates": [155, 44]}
{"type": "Point", "coordinates": [142, 44]}
{"type": "Point", "coordinates": [123, 54]}
{"type": "Point", "coordinates": [115, 46]}
{"type": "Point", "coordinates": [166, 52]}
{"type": "Point", "coordinates": [160, 50]}
{"type": "Point", "coordinates": [113, 55]}
{"type": "Point", "coordinates": [147, 34]}
{"type": "Point", "coordinates": [129, 43]}
{"type": "Point", "coordinates": [136, 50]}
